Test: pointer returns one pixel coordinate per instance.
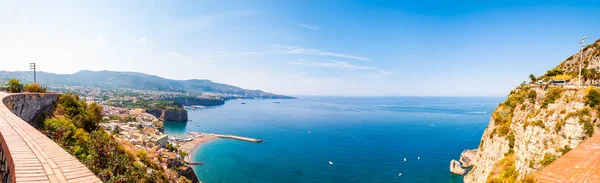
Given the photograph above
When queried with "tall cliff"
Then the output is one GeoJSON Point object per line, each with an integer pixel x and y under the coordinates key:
{"type": "Point", "coordinates": [178, 115]}
{"type": "Point", "coordinates": [540, 122]}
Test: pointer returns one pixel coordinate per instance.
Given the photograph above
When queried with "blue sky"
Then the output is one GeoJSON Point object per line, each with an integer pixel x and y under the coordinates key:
{"type": "Point", "coordinates": [343, 48]}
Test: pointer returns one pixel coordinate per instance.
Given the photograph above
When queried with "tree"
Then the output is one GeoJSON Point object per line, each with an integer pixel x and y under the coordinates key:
{"type": "Point", "coordinates": [182, 179]}
{"type": "Point", "coordinates": [532, 77]}
{"type": "Point", "coordinates": [14, 86]}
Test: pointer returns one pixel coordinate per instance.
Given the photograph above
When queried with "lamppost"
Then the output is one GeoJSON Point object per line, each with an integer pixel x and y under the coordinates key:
{"type": "Point", "coordinates": [32, 67]}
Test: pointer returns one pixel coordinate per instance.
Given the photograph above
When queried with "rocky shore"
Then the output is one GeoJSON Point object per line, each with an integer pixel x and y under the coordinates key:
{"type": "Point", "coordinates": [467, 160]}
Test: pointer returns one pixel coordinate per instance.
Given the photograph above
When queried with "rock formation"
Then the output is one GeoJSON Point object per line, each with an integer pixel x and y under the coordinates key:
{"type": "Point", "coordinates": [456, 168]}
{"type": "Point", "coordinates": [177, 115]}
{"type": "Point", "coordinates": [467, 157]}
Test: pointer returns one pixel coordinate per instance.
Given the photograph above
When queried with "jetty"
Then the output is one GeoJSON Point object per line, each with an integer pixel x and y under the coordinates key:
{"type": "Point", "coordinates": [239, 138]}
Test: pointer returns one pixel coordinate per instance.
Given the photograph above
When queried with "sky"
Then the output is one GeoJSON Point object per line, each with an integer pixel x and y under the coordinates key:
{"type": "Point", "coordinates": [331, 48]}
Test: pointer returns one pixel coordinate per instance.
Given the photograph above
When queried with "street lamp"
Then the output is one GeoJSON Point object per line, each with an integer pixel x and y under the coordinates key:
{"type": "Point", "coordinates": [32, 67]}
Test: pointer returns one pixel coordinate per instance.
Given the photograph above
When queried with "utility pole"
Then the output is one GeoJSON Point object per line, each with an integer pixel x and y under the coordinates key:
{"type": "Point", "coordinates": [32, 67]}
{"type": "Point", "coordinates": [581, 59]}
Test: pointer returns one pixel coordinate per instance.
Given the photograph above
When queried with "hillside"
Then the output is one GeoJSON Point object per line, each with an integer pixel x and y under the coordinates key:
{"type": "Point", "coordinates": [540, 122]}
{"type": "Point", "coordinates": [135, 80]}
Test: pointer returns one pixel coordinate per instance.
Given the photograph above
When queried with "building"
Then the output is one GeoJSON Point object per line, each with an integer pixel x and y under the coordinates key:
{"type": "Point", "coordinates": [162, 141]}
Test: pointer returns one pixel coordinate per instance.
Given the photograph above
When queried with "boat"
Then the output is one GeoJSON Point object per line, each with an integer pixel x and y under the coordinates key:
{"type": "Point", "coordinates": [276, 102]}
{"type": "Point", "coordinates": [331, 163]}
{"type": "Point", "coordinates": [243, 102]}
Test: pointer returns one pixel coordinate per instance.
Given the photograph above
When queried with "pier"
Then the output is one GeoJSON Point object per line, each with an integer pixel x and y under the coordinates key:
{"type": "Point", "coordinates": [238, 138]}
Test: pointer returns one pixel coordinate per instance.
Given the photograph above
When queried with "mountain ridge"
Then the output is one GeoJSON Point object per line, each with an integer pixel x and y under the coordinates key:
{"type": "Point", "coordinates": [136, 80]}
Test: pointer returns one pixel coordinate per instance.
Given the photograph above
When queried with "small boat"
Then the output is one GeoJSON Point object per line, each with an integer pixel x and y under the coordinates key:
{"type": "Point", "coordinates": [197, 124]}
{"type": "Point", "coordinates": [405, 159]}
{"type": "Point", "coordinates": [418, 158]}
{"type": "Point", "coordinates": [243, 102]}
{"type": "Point", "coordinates": [400, 174]}
{"type": "Point", "coordinates": [276, 102]}
{"type": "Point", "coordinates": [331, 163]}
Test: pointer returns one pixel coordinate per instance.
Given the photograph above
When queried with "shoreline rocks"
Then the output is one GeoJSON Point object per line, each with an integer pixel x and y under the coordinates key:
{"type": "Point", "coordinates": [467, 158]}
{"type": "Point", "coordinates": [456, 168]}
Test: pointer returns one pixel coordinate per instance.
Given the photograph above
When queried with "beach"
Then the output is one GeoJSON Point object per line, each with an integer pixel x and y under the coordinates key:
{"type": "Point", "coordinates": [191, 146]}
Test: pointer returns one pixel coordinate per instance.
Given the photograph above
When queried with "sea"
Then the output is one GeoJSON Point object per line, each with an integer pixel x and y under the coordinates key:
{"type": "Point", "coordinates": [338, 139]}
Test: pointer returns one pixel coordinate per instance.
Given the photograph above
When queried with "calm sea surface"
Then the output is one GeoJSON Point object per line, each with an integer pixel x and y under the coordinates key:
{"type": "Point", "coordinates": [366, 138]}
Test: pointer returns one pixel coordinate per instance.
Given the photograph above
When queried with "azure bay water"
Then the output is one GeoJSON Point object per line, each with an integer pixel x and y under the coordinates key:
{"type": "Point", "coordinates": [365, 138]}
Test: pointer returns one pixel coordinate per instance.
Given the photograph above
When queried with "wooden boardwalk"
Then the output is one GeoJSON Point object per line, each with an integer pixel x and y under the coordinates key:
{"type": "Point", "coordinates": [33, 157]}
{"type": "Point", "coordinates": [581, 164]}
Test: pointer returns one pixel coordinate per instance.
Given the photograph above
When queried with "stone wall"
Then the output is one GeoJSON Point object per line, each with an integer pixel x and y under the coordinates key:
{"type": "Point", "coordinates": [32, 107]}
{"type": "Point", "coordinates": [6, 165]}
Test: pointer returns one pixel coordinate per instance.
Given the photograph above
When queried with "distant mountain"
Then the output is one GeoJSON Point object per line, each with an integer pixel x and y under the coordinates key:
{"type": "Point", "coordinates": [135, 80]}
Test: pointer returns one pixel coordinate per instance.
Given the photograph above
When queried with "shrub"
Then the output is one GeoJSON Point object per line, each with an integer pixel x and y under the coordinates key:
{"type": "Point", "coordinates": [593, 98]}
{"type": "Point", "coordinates": [505, 171]}
{"type": "Point", "coordinates": [564, 77]}
{"type": "Point", "coordinates": [565, 149]}
{"type": "Point", "coordinates": [14, 86]}
{"type": "Point", "coordinates": [34, 87]}
{"type": "Point", "coordinates": [588, 127]}
{"type": "Point", "coordinates": [182, 179]}
{"type": "Point", "coordinates": [559, 125]}
{"type": "Point", "coordinates": [554, 72]}
{"type": "Point", "coordinates": [552, 95]}
{"type": "Point", "coordinates": [548, 158]}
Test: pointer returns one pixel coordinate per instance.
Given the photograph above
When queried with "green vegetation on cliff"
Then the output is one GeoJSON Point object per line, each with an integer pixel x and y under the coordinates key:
{"type": "Point", "coordinates": [74, 127]}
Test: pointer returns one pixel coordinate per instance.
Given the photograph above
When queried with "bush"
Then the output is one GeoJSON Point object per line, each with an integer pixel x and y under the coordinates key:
{"type": "Point", "coordinates": [554, 72]}
{"type": "Point", "coordinates": [559, 125]}
{"type": "Point", "coordinates": [34, 88]}
{"type": "Point", "coordinates": [593, 98]}
{"type": "Point", "coordinates": [588, 127]}
{"type": "Point", "coordinates": [14, 86]}
{"type": "Point", "coordinates": [548, 158]}
{"type": "Point", "coordinates": [565, 149]}
{"type": "Point", "coordinates": [552, 95]}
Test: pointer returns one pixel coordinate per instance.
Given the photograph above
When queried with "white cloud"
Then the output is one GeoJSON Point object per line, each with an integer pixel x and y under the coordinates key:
{"type": "Point", "coordinates": [332, 64]}
{"type": "Point", "coordinates": [309, 51]}
{"type": "Point", "coordinates": [101, 38]}
{"type": "Point", "coordinates": [311, 27]}
{"type": "Point", "coordinates": [174, 54]}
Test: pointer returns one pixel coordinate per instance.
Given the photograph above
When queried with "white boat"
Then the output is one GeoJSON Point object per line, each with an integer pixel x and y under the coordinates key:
{"type": "Point", "coordinates": [404, 159]}
{"type": "Point", "coordinates": [331, 163]}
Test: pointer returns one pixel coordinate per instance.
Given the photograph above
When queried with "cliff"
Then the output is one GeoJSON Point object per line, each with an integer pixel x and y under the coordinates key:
{"type": "Point", "coordinates": [178, 115]}
{"type": "Point", "coordinates": [540, 122]}
{"type": "Point", "coordinates": [188, 101]}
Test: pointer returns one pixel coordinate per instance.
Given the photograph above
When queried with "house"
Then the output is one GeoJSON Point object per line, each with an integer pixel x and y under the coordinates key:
{"type": "Point", "coordinates": [558, 82]}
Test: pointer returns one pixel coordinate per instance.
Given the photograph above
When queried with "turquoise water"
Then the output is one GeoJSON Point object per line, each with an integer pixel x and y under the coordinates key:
{"type": "Point", "coordinates": [366, 139]}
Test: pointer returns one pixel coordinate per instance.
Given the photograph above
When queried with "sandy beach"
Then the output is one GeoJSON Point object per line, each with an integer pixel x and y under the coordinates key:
{"type": "Point", "coordinates": [191, 146]}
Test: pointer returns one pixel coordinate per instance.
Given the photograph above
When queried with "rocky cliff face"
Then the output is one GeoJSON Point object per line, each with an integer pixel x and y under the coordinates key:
{"type": "Point", "coordinates": [539, 122]}
{"type": "Point", "coordinates": [178, 115]}
{"type": "Point", "coordinates": [31, 107]}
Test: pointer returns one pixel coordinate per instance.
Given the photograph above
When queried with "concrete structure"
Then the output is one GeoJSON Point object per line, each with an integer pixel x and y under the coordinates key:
{"type": "Point", "coordinates": [27, 155]}
{"type": "Point", "coordinates": [581, 164]}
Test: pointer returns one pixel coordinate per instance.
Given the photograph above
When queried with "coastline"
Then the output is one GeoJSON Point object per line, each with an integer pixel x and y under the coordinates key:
{"type": "Point", "coordinates": [192, 146]}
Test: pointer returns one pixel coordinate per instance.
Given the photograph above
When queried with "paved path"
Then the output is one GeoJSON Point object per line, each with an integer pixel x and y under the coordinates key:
{"type": "Point", "coordinates": [581, 164]}
{"type": "Point", "coordinates": [35, 157]}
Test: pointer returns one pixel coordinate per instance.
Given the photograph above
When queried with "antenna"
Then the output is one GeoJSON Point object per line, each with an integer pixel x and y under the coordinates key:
{"type": "Point", "coordinates": [581, 60]}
